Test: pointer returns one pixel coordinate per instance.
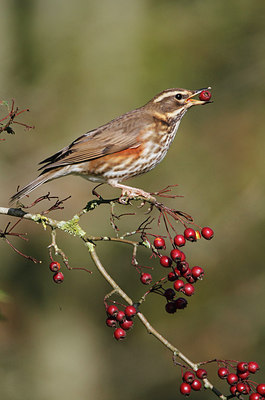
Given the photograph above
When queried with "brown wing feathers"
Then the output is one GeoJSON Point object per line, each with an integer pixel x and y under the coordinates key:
{"type": "Point", "coordinates": [108, 139]}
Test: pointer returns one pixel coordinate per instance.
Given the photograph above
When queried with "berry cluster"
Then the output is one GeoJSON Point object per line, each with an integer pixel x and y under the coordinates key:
{"type": "Point", "coordinates": [182, 275]}
{"type": "Point", "coordinates": [58, 277]}
{"type": "Point", "coordinates": [122, 318]}
{"type": "Point", "coordinates": [192, 381]}
{"type": "Point", "coordinates": [239, 381]}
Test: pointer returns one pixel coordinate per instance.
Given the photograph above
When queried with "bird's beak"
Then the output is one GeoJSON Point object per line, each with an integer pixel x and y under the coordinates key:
{"type": "Point", "coordinates": [194, 102]}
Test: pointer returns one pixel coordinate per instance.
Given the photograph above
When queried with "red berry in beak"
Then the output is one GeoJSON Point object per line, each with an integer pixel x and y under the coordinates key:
{"type": "Point", "coordinates": [205, 95]}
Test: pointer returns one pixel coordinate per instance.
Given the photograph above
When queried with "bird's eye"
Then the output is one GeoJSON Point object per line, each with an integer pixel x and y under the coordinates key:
{"type": "Point", "coordinates": [178, 96]}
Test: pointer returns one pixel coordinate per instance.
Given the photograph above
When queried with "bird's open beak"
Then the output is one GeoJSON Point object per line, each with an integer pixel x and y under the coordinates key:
{"type": "Point", "coordinates": [194, 102]}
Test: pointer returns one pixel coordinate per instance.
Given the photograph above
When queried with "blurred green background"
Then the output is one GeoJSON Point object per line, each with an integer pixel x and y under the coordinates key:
{"type": "Point", "coordinates": [76, 65]}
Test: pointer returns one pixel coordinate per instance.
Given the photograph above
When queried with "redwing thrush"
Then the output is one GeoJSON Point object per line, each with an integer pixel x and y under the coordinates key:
{"type": "Point", "coordinates": [127, 146]}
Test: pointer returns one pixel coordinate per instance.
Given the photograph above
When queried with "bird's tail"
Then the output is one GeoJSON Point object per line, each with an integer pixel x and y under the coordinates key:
{"type": "Point", "coordinates": [32, 186]}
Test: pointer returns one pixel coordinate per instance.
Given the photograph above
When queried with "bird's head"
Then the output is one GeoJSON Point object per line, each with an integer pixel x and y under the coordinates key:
{"type": "Point", "coordinates": [173, 103]}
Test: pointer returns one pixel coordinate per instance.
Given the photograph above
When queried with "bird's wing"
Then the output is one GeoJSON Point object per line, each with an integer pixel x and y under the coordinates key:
{"type": "Point", "coordinates": [120, 134]}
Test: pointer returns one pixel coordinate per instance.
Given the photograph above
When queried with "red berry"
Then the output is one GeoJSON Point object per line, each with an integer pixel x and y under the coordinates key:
{"type": "Point", "coordinates": [119, 334]}
{"type": "Point", "coordinates": [165, 261]}
{"type": "Point", "coordinates": [241, 387]}
{"type": "Point", "coordinates": [190, 234]}
{"type": "Point", "coordinates": [201, 373]}
{"type": "Point", "coordinates": [112, 323]}
{"type": "Point", "coordinates": [223, 372]}
{"type": "Point", "coordinates": [188, 289]}
{"type": "Point", "coordinates": [243, 375]}
{"type": "Point", "coordinates": [183, 267]}
{"type": "Point", "coordinates": [187, 274]}
{"type": "Point", "coordinates": [196, 385]}
{"type": "Point", "coordinates": [55, 266]}
{"type": "Point", "coordinates": [169, 294]}
{"type": "Point", "coordinates": [253, 367]}
{"type": "Point", "coordinates": [159, 243]}
{"type": "Point", "coordinates": [179, 240]}
{"type": "Point", "coordinates": [232, 379]}
{"type": "Point", "coordinates": [146, 278]}
{"type": "Point", "coordinates": [181, 303]}
{"type": "Point", "coordinates": [171, 307]}
{"type": "Point", "coordinates": [127, 324]}
{"type": "Point", "coordinates": [261, 389]}
{"type": "Point", "coordinates": [188, 377]}
{"type": "Point", "coordinates": [172, 276]}
{"type": "Point", "coordinates": [190, 279]}
{"type": "Point", "coordinates": [178, 285]}
{"type": "Point", "coordinates": [185, 388]}
{"type": "Point", "coordinates": [176, 254]}
{"type": "Point", "coordinates": [182, 257]}
{"type": "Point", "coordinates": [255, 396]}
{"type": "Point", "coordinates": [197, 272]}
{"type": "Point", "coordinates": [205, 95]}
{"type": "Point", "coordinates": [120, 316]}
{"type": "Point", "coordinates": [247, 387]}
{"type": "Point", "coordinates": [112, 310]}
{"type": "Point", "coordinates": [242, 366]}
{"type": "Point", "coordinates": [130, 311]}
{"type": "Point", "coordinates": [233, 390]}
{"type": "Point", "coordinates": [177, 272]}
{"type": "Point", "coordinates": [58, 277]}
{"type": "Point", "coordinates": [207, 233]}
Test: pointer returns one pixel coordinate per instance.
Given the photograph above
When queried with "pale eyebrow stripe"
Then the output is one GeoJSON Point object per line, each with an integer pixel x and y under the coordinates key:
{"type": "Point", "coordinates": [164, 95]}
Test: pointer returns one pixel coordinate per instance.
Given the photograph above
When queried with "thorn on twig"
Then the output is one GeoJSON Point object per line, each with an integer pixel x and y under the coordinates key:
{"type": "Point", "coordinates": [95, 193]}
{"type": "Point", "coordinates": [22, 254]}
{"type": "Point", "coordinates": [56, 206]}
{"type": "Point", "coordinates": [167, 189]}
{"type": "Point", "coordinates": [8, 232]}
{"type": "Point", "coordinates": [145, 224]}
{"type": "Point", "coordinates": [10, 118]}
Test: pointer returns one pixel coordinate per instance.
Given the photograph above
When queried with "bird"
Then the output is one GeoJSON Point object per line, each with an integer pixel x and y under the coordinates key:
{"type": "Point", "coordinates": [129, 145]}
